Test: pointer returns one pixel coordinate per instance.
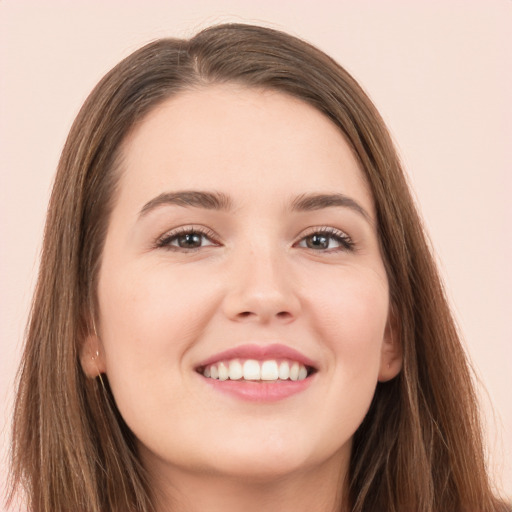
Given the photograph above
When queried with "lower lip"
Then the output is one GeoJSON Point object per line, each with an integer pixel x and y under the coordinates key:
{"type": "Point", "coordinates": [260, 391]}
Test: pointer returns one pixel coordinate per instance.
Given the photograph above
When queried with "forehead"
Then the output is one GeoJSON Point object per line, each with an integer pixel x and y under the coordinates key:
{"type": "Point", "coordinates": [242, 141]}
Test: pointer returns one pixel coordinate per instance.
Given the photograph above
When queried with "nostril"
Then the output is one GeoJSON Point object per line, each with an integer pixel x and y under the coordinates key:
{"type": "Point", "coordinates": [284, 315]}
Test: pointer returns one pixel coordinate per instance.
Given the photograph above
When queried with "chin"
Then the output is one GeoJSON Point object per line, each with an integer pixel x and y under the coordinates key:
{"type": "Point", "coordinates": [259, 462]}
{"type": "Point", "coordinates": [261, 470]}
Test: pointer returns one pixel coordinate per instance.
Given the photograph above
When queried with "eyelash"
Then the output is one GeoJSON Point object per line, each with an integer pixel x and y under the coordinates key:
{"type": "Point", "coordinates": [345, 242]}
{"type": "Point", "coordinates": [165, 242]}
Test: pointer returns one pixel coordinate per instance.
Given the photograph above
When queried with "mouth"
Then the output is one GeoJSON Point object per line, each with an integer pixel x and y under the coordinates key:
{"type": "Point", "coordinates": [269, 370]}
{"type": "Point", "coordinates": [258, 373]}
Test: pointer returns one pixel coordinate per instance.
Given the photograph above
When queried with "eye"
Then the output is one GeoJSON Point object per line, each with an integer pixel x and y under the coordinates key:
{"type": "Point", "coordinates": [187, 238]}
{"type": "Point", "coordinates": [327, 240]}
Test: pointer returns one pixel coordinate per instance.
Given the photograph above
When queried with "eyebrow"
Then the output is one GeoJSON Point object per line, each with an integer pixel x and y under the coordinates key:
{"type": "Point", "coordinates": [311, 202]}
{"type": "Point", "coordinates": [196, 199]}
{"type": "Point", "coordinates": [220, 201]}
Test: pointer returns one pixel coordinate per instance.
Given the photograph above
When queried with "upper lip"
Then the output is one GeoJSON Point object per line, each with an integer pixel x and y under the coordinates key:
{"type": "Point", "coordinates": [259, 353]}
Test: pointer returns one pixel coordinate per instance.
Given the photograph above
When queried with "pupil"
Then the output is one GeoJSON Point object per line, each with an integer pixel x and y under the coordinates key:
{"type": "Point", "coordinates": [317, 242]}
{"type": "Point", "coordinates": [190, 240]}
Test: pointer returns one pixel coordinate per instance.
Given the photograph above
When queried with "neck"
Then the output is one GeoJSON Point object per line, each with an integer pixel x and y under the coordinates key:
{"type": "Point", "coordinates": [313, 490]}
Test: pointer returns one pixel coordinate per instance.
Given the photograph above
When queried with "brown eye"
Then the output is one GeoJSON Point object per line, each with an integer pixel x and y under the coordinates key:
{"type": "Point", "coordinates": [317, 242]}
{"type": "Point", "coordinates": [189, 240]}
{"type": "Point", "coordinates": [185, 239]}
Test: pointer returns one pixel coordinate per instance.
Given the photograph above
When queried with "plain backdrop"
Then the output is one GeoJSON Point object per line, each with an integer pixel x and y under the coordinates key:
{"type": "Point", "coordinates": [440, 72]}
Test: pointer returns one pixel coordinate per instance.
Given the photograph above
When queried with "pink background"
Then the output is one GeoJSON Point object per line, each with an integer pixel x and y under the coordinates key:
{"type": "Point", "coordinates": [439, 71]}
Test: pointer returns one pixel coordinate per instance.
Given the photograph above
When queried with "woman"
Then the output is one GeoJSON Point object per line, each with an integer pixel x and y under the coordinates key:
{"type": "Point", "coordinates": [236, 306]}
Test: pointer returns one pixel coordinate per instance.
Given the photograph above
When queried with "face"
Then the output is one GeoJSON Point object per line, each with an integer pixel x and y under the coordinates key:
{"type": "Point", "coordinates": [244, 313]}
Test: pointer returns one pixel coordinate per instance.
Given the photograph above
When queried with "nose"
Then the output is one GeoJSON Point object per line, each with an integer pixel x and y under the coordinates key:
{"type": "Point", "coordinates": [261, 288]}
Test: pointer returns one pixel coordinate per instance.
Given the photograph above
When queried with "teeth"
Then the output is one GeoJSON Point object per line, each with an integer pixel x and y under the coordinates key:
{"type": "Point", "coordinates": [269, 370]}
{"type": "Point", "coordinates": [294, 371]}
{"type": "Point", "coordinates": [284, 370]}
{"type": "Point", "coordinates": [223, 372]}
{"type": "Point", "coordinates": [235, 370]}
{"type": "Point", "coordinates": [251, 369]}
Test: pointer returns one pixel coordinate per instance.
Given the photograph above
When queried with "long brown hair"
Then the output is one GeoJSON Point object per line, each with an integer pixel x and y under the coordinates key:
{"type": "Point", "coordinates": [419, 447]}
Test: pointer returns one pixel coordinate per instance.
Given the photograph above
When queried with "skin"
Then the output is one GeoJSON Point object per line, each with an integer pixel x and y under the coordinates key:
{"type": "Point", "coordinates": [253, 279]}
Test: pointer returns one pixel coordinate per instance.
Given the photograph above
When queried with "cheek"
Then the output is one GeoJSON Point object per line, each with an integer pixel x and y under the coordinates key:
{"type": "Point", "coordinates": [352, 309]}
{"type": "Point", "coordinates": [149, 303]}
{"type": "Point", "coordinates": [150, 317]}
{"type": "Point", "coordinates": [354, 322]}
{"type": "Point", "coordinates": [351, 313]}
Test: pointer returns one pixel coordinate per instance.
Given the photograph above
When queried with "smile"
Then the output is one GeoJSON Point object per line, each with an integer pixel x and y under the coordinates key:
{"type": "Point", "coordinates": [258, 373]}
{"type": "Point", "coordinates": [253, 370]}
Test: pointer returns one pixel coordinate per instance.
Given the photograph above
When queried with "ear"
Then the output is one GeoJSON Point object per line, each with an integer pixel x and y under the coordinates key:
{"type": "Point", "coordinates": [92, 356]}
{"type": "Point", "coordinates": [391, 357]}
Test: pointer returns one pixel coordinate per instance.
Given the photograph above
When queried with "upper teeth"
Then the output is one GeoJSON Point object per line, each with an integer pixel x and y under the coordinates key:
{"type": "Point", "coordinates": [251, 369]}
